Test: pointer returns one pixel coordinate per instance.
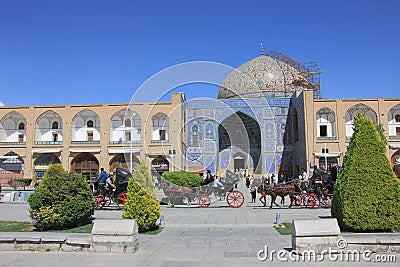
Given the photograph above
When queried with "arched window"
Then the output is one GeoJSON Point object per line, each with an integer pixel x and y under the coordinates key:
{"type": "Point", "coordinates": [365, 110]}
{"type": "Point", "coordinates": [86, 127]}
{"type": "Point", "coordinates": [125, 126]}
{"type": "Point", "coordinates": [394, 122]}
{"type": "Point", "coordinates": [397, 118]}
{"type": "Point", "coordinates": [160, 127]}
{"type": "Point", "coordinates": [21, 126]}
{"type": "Point", "coordinates": [54, 125]}
{"type": "Point", "coordinates": [325, 123]}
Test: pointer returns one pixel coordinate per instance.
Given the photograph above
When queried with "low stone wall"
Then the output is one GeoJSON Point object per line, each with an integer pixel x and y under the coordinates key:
{"type": "Point", "coordinates": [324, 235]}
{"type": "Point", "coordinates": [115, 236]}
{"type": "Point", "coordinates": [16, 196]}
{"type": "Point", "coordinates": [45, 242]}
{"type": "Point", "coordinates": [374, 242]}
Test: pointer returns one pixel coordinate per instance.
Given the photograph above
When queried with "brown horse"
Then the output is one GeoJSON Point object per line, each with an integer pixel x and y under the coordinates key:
{"type": "Point", "coordinates": [281, 190]}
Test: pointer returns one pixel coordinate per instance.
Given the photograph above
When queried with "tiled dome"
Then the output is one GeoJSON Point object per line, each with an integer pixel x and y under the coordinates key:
{"type": "Point", "coordinates": [262, 75]}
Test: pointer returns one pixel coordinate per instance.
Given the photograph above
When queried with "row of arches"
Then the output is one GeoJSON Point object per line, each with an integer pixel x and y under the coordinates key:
{"type": "Point", "coordinates": [125, 127]}
{"type": "Point", "coordinates": [326, 121]}
{"type": "Point", "coordinates": [84, 163]}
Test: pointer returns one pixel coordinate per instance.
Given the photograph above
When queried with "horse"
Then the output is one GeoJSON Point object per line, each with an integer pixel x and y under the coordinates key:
{"type": "Point", "coordinates": [281, 190]}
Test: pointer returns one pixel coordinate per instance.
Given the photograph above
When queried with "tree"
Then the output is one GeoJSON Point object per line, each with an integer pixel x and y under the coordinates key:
{"type": "Point", "coordinates": [367, 192]}
{"type": "Point", "coordinates": [381, 132]}
{"type": "Point", "coordinates": [140, 205]}
{"type": "Point", "coordinates": [142, 177]}
{"type": "Point", "coordinates": [61, 201]}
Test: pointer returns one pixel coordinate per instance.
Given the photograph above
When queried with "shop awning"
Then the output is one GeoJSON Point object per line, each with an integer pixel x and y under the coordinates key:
{"type": "Point", "coordinates": [85, 150]}
{"type": "Point", "coordinates": [328, 155]}
{"type": "Point", "coordinates": [123, 151]}
{"type": "Point", "coordinates": [394, 146]}
{"type": "Point", "coordinates": [55, 150]}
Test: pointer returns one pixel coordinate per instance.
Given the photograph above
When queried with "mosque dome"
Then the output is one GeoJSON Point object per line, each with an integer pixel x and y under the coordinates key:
{"type": "Point", "coordinates": [272, 75]}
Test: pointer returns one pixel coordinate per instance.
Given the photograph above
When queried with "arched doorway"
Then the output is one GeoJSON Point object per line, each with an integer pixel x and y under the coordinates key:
{"type": "Point", "coordinates": [160, 164]}
{"type": "Point", "coordinates": [396, 163]}
{"type": "Point", "coordinates": [239, 145]}
{"type": "Point", "coordinates": [11, 168]}
{"type": "Point", "coordinates": [87, 165]}
{"type": "Point", "coordinates": [42, 163]}
{"type": "Point", "coordinates": [123, 161]}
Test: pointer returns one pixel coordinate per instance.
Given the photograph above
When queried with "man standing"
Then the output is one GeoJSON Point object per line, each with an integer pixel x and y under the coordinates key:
{"type": "Point", "coordinates": [316, 180]}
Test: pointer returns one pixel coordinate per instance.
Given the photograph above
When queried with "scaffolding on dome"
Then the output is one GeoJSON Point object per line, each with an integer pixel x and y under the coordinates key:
{"type": "Point", "coordinates": [308, 72]}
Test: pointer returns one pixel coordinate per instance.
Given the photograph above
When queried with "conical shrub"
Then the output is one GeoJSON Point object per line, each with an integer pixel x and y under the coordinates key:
{"type": "Point", "coordinates": [140, 205]}
{"type": "Point", "coordinates": [367, 193]}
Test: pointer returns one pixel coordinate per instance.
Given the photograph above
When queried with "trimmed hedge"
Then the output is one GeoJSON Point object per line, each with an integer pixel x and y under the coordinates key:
{"type": "Point", "coordinates": [140, 205]}
{"type": "Point", "coordinates": [367, 193]}
{"type": "Point", "coordinates": [61, 201]}
{"type": "Point", "coordinates": [183, 178]}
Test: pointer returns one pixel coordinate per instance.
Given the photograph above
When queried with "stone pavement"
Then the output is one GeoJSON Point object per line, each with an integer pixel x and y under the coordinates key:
{"type": "Point", "coordinates": [214, 236]}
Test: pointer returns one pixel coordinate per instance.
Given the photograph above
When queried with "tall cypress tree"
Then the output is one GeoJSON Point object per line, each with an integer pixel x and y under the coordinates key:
{"type": "Point", "coordinates": [367, 192]}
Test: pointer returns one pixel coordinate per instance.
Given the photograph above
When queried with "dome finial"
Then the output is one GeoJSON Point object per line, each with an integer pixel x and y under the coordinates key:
{"type": "Point", "coordinates": [262, 49]}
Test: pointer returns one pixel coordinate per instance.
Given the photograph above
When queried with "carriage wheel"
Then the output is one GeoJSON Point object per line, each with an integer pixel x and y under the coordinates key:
{"type": "Point", "coordinates": [121, 200]}
{"type": "Point", "coordinates": [235, 199]}
{"type": "Point", "coordinates": [204, 201]}
{"type": "Point", "coordinates": [313, 202]}
{"type": "Point", "coordinates": [298, 201]}
{"type": "Point", "coordinates": [328, 201]}
{"type": "Point", "coordinates": [99, 202]}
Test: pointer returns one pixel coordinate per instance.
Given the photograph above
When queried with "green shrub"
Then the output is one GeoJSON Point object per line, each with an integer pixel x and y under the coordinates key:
{"type": "Point", "coordinates": [61, 201]}
{"type": "Point", "coordinates": [141, 206]}
{"type": "Point", "coordinates": [367, 193]}
{"type": "Point", "coordinates": [182, 178]}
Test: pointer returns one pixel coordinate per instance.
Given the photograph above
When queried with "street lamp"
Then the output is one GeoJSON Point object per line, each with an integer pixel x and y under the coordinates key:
{"type": "Point", "coordinates": [130, 143]}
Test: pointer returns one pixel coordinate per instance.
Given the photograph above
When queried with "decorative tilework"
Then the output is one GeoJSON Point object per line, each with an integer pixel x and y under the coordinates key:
{"type": "Point", "coordinates": [210, 163]}
{"type": "Point", "coordinates": [225, 159]}
{"type": "Point", "coordinates": [209, 131]}
{"type": "Point", "coordinates": [269, 130]}
{"type": "Point", "coordinates": [270, 164]}
{"type": "Point", "coordinates": [270, 146]}
{"type": "Point", "coordinates": [209, 147]}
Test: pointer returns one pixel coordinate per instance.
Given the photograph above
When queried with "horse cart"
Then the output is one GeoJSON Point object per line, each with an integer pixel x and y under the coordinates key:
{"type": "Point", "coordinates": [204, 195]}
{"type": "Point", "coordinates": [314, 195]}
{"type": "Point", "coordinates": [104, 196]}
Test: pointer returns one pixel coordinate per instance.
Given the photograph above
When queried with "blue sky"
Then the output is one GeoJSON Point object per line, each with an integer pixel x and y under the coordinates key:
{"type": "Point", "coordinates": [95, 51]}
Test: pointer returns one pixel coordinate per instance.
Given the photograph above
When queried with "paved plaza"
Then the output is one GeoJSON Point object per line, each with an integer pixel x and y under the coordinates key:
{"type": "Point", "coordinates": [214, 236]}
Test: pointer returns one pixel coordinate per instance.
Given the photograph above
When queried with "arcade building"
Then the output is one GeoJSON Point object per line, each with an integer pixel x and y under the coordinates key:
{"type": "Point", "coordinates": [269, 117]}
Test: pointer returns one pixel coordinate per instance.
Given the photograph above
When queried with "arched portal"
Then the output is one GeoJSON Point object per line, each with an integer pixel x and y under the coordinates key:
{"type": "Point", "coordinates": [42, 163]}
{"type": "Point", "coordinates": [123, 161]}
{"type": "Point", "coordinates": [87, 165]}
{"type": "Point", "coordinates": [396, 163]}
{"type": "Point", "coordinates": [239, 139]}
{"type": "Point", "coordinates": [11, 168]}
{"type": "Point", "coordinates": [160, 164]}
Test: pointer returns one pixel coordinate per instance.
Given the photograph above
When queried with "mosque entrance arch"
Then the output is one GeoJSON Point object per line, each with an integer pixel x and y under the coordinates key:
{"type": "Point", "coordinates": [239, 143]}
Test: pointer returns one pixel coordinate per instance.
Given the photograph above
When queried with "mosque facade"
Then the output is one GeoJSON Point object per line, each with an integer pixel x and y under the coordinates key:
{"type": "Point", "coordinates": [269, 117]}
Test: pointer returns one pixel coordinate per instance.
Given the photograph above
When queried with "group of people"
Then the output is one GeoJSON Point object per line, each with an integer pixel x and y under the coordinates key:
{"type": "Point", "coordinates": [106, 179]}
{"type": "Point", "coordinates": [218, 181]}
